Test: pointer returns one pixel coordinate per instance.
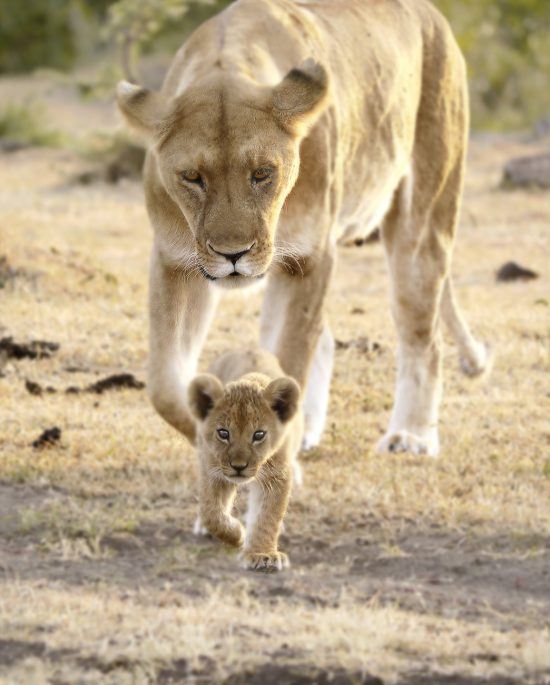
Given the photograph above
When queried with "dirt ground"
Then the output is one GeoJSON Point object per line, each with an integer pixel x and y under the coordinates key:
{"type": "Point", "coordinates": [405, 570]}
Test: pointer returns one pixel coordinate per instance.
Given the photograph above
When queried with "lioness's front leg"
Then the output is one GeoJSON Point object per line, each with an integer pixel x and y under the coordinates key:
{"type": "Point", "coordinates": [267, 505]}
{"type": "Point", "coordinates": [181, 307]}
{"type": "Point", "coordinates": [294, 327]}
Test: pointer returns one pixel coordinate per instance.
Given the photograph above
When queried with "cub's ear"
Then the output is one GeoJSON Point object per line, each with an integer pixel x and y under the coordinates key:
{"type": "Point", "coordinates": [283, 396]}
{"type": "Point", "coordinates": [299, 98]}
{"type": "Point", "coordinates": [203, 393]}
{"type": "Point", "coordinates": [143, 109]}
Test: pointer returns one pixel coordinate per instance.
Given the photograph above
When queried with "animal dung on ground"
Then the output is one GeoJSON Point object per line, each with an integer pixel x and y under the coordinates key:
{"type": "Point", "coordinates": [47, 438]}
{"type": "Point", "coordinates": [514, 272]}
{"type": "Point", "coordinates": [373, 237]}
{"type": "Point", "coordinates": [7, 272]}
{"type": "Point", "coordinates": [35, 349]}
{"type": "Point", "coordinates": [36, 389]}
{"type": "Point", "coordinates": [362, 344]}
{"type": "Point", "coordinates": [526, 172]}
{"type": "Point", "coordinates": [116, 381]}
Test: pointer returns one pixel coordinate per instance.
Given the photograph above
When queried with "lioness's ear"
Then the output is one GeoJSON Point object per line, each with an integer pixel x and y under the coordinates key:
{"type": "Point", "coordinates": [299, 98]}
{"type": "Point", "coordinates": [203, 393]}
{"type": "Point", "coordinates": [142, 108]}
{"type": "Point", "coordinates": [283, 396]}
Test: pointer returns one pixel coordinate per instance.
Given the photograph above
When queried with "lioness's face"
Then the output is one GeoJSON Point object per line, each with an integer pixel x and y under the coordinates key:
{"type": "Point", "coordinates": [241, 426]}
{"type": "Point", "coordinates": [227, 153]}
{"type": "Point", "coordinates": [229, 169]}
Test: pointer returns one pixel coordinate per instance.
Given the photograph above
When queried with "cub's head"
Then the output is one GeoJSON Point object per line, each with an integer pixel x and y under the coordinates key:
{"type": "Point", "coordinates": [227, 155]}
{"type": "Point", "coordinates": [241, 426]}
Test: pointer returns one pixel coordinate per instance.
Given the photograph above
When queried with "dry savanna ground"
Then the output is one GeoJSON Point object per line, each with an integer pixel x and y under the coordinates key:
{"type": "Point", "coordinates": [404, 570]}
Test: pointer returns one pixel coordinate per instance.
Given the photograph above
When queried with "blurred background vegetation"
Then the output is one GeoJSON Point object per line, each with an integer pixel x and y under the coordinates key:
{"type": "Point", "coordinates": [506, 43]}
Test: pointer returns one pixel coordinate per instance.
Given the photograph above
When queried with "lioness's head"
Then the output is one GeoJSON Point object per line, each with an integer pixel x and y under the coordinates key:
{"type": "Point", "coordinates": [227, 154]}
{"type": "Point", "coordinates": [241, 426]}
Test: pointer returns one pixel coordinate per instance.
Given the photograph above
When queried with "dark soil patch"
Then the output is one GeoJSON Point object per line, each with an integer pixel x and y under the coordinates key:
{"type": "Point", "coordinates": [272, 674]}
{"type": "Point", "coordinates": [527, 172]}
{"type": "Point", "coordinates": [11, 145]}
{"type": "Point", "coordinates": [514, 272]}
{"type": "Point", "coordinates": [47, 438]}
{"type": "Point", "coordinates": [497, 578]}
{"type": "Point", "coordinates": [125, 160]}
{"type": "Point", "coordinates": [12, 651]}
{"type": "Point", "coordinates": [36, 349]}
{"type": "Point", "coordinates": [435, 679]}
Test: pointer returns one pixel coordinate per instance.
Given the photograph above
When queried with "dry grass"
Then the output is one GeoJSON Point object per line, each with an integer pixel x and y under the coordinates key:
{"type": "Point", "coordinates": [400, 565]}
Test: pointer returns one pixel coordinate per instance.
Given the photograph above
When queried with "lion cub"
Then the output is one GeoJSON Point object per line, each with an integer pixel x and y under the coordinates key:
{"type": "Point", "coordinates": [249, 431]}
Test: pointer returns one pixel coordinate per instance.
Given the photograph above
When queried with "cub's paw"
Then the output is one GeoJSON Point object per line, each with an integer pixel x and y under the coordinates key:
{"type": "Point", "coordinates": [403, 441]}
{"type": "Point", "coordinates": [232, 532]}
{"type": "Point", "coordinates": [268, 562]}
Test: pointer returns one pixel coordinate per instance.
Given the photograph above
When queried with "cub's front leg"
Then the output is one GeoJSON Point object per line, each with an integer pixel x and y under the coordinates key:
{"type": "Point", "coordinates": [267, 503]}
{"type": "Point", "coordinates": [215, 503]}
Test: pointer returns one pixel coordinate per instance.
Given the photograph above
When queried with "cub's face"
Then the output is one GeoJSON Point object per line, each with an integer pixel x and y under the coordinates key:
{"type": "Point", "coordinates": [227, 155]}
{"type": "Point", "coordinates": [241, 426]}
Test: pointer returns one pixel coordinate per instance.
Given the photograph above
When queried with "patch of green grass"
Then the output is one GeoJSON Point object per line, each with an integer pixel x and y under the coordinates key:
{"type": "Point", "coordinates": [26, 124]}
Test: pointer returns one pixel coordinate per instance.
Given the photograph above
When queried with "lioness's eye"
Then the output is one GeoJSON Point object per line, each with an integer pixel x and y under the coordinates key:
{"type": "Point", "coordinates": [192, 176]}
{"type": "Point", "coordinates": [261, 174]}
{"type": "Point", "coordinates": [223, 434]}
{"type": "Point", "coordinates": [258, 436]}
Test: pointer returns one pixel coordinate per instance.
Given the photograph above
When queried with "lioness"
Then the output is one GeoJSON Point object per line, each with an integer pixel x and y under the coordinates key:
{"type": "Point", "coordinates": [282, 127]}
{"type": "Point", "coordinates": [248, 432]}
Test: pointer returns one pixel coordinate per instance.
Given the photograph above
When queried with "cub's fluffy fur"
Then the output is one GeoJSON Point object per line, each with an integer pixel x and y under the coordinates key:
{"type": "Point", "coordinates": [249, 430]}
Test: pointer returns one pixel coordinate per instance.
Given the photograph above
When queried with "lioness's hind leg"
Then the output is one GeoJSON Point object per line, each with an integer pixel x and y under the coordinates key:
{"type": "Point", "coordinates": [418, 235]}
{"type": "Point", "coordinates": [475, 358]}
{"type": "Point", "coordinates": [418, 240]}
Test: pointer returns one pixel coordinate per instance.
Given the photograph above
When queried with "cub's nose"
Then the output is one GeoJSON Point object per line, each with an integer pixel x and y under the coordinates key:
{"type": "Point", "coordinates": [238, 467]}
{"type": "Point", "coordinates": [233, 257]}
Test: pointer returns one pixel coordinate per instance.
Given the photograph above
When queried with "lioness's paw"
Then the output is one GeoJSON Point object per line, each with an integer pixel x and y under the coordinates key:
{"type": "Point", "coordinates": [403, 441]}
{"type": "Point", "coordinates": [297, 474]}
{"type": "Point", "coordinates": [310, 440]}
{"type": "Point", "coordinates": [478, 363]}
{"type": "Point", "coordinates": [266, 563]}
{"type": "Point", "coordinates": [199, 529]}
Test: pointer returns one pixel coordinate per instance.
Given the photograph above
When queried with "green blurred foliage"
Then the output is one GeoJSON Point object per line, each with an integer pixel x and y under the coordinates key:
{"type": "Point", "coordinates": [35, 32]}
{"type": "Point", "coordinates": [506, 43]}
{"type": "Point", "coordinates": [507, 48]}
{"type": "Point", "coordinates": [134, 23]}
{"type": "Point", "coordinates": [26, 124]}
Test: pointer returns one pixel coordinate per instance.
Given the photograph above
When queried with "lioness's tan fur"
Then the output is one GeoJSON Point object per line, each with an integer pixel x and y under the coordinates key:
{"type": "Point", "coordinates": [358, 110]}
{"type": "Point", "coordinates": [247, 392]}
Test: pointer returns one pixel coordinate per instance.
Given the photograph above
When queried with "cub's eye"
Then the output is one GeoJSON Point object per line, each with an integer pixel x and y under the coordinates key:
{"type": "Point", "coordinates": [261, 174]}
{"type": "Point", "coordinates": [258, 436]}
{"type": "Point", "coordinates": [223, 434]}
{"type": "Point", "coordinates": [192, 176]}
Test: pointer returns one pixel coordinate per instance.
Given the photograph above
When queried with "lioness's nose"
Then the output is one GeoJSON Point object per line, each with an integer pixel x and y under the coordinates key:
{"type": "Point", "coordinates": [233, 257]}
